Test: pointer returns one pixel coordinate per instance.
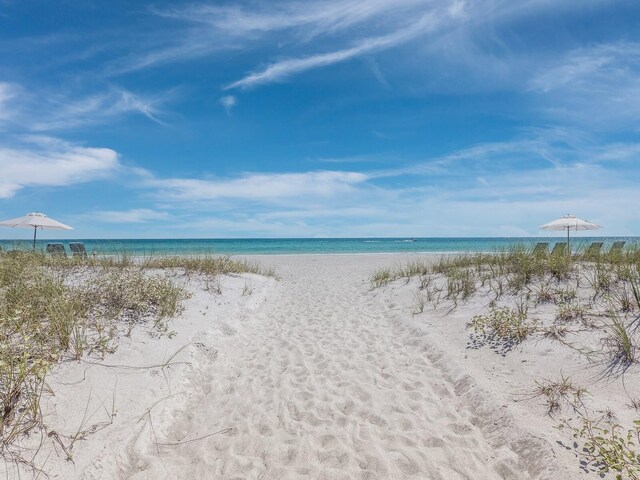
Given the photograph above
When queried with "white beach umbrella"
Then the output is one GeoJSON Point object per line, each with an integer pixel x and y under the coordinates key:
{"type": "Point", "coordinates": [568, 223]}
{"type": "Point", "coordinates": [35, 220]}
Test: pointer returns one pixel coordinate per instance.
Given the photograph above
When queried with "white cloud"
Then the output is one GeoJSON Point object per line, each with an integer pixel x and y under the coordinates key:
{"type": "Point", "coordinates": [510, 205]}
{"type": "Point", "coordinates": [65, 112]}
{"type": "Point", "coordinates": [308, 19]}
{"type": "Point", "coordinates": [214, 28]}
{"type": "Point", "coordinates": [284, 68]}
{"type": "Point", "coordinates": [44, 110]}
{"type": "Point", "coordinates": [228, 102]}
{"type": "Point", "coordinates": [481, 190]}
{"type": "Point", "coordinates": [48, 162]}
{"type": "Point", "coordinates": [261, 187]}
{"type": "Point", "coordinates": [135, 215]}
{"type": "Point", "coordinates": [598, 86]}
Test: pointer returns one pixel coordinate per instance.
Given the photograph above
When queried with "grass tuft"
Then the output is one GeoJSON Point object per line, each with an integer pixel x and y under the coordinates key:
{"type": "Point", "coordinates": [54, 308]}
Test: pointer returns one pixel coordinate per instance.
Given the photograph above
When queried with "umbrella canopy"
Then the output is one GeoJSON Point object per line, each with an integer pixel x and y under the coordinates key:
{"type": "Point", "coordinates": [35, 220]}
{"type": "Point", "coordinates": [568, 223]}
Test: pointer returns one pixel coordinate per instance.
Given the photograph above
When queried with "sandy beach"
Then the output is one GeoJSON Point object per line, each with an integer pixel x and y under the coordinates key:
{"type": "Point", "coordinates": [312, 376]}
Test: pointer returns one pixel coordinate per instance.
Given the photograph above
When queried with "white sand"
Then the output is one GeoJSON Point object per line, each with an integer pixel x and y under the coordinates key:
{"type": "Point", "coordinates": [311, 377]}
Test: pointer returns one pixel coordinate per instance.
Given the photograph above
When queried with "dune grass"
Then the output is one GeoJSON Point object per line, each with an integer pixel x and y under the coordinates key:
{"type": "Point", "coordinates": [54, 308]}
{"type": "Point", "coordinates": [594, 299]}
{"type": "Point", "coordinates": [522, 280]}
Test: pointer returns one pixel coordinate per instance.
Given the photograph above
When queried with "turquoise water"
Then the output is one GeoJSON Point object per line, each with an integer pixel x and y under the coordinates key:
{"type": "Point", "coordinates": [306, 245]}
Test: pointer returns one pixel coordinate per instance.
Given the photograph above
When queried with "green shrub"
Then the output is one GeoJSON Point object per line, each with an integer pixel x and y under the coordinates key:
{"type": "Point", "coordinates": [607, 446]}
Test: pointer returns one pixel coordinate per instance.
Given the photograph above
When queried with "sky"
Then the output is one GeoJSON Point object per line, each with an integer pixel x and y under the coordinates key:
{"type": "Point", "coordinates": [332, 118]}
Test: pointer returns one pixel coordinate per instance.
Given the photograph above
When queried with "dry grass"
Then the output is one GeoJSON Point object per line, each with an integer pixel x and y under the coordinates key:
{"type": "Point", "coordinates": [517, 279]}
{"type": "Point", "coordinates": [56, 308]}
{"type": "Point", "coordinates": [587, 303]}
{"type": "Point", "coordinates": [560, 392]}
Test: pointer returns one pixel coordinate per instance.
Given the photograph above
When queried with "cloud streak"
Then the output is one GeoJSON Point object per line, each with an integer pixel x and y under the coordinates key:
{"type": "Point", "coordinates": [44, 111]}
{"type": "Point", "coordinates": [597, 86]}
{"type": "Point", "coordinates": [134, 215]}
{"type": "Point", "coordinates": [200, 30]}
{"type": "Point", "coordinates": [259, 187]}
{"type": "Point", "coordinates": [282, 69]}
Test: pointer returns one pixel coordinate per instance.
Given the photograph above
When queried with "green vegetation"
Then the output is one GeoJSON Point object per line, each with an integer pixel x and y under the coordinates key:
{"type": "Point", "coordinates": [600, 293]}
{"type": "Point", "coordinates": [588, 303]}
{"type": "Point", "coordinates": [54, 308]}
{"type": "Point", "coordinates": [607, 446]}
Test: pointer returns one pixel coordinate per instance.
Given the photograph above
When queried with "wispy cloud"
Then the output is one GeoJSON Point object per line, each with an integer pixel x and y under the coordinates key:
{"type": "Point", "coordinates": [262, 187]}
{"type": "Point", "coordinates": [134, 215]}
{"type": "Point", "coordinates": [285, 68]}
{"type": "Point", "coordinates": [317, 18]}
{"type": "Point", "coordinates": [50, 162]}
{"type": "Point", "coordinates": [597, 85]}
{"type": "Point", "coordinates": [203, 29]}
{"type": "Point", "coordinates": [43, 110]}
{"type": "Point", "coordinates": [65, 112]}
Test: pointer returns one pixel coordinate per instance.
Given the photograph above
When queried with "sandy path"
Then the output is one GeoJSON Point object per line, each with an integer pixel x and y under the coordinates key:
{"type": "Point", "coordinates": [325, 381]}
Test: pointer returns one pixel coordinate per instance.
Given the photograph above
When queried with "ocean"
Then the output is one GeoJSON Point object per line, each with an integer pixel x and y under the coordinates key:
{"type": "Point", "coordinates": [274, 246]}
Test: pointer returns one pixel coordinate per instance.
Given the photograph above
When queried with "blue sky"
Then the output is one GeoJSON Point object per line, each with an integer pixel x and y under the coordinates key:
{"type": "Point", "coordinates": [329, 118]}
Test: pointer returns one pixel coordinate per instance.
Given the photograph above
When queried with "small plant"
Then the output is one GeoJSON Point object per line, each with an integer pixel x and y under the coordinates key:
{"type": "Point", "coordinates": [414, 269]}
{"type": "Point", "coordinates": [623, 297]}
{"type": "Point", "coordinates": [213, 284]}
{"type": "Point", "coordinates": [544, 293]}
{"type": "Point", "coordinates": [131, 295]}
{"type": "Point", "coordinates": [600, 278]}
{"type": "Point", "coordinates": [497, 285]}
{"type": "Point", "coordinates": [620, 345]}
{"type": "Point", "coordinates": [247, 289]}
{"type": "Point", "coordinates": [607, 447]}
{"type": "Point", "coordinates": [557, 393]}
{"type": "Point", "coordinates": [503, 328]}
{"type": "Point", "coordinates": [569, 312]}
{"type": "Point", "coordinates": [381, 277]}
{"type": "Point", "coordinates": [522, 305]}
{"type": "Point", "coordinates": [565, 295]}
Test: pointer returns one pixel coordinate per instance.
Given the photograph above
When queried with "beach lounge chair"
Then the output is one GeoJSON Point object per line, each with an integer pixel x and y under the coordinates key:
{"type": "Point", "coordinates": [593, 250]}
{"type": "Point", "coordinates": [541, 248]}
{"type": "Point", "coordinates": [56, 249]}
{"type": "Point", "coordinates": [617, 247]}
{"type": "Point", "coordinates": [558, 248]}
{"type": "Point", "coordinates": [78, 250]}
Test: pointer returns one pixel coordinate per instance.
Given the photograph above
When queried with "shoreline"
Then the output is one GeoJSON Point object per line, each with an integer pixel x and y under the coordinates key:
{"type": "Point", "coordinates": [309, 246]}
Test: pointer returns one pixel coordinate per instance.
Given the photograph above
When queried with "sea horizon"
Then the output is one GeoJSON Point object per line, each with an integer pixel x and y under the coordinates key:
{"type": "Point", "coordinates": [338, 245]}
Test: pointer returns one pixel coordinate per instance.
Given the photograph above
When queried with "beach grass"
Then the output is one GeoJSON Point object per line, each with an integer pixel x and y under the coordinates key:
{"type": "Point", "coordinates": [54, 308]}
{"type": "Point", "coordinates": [569, 299]}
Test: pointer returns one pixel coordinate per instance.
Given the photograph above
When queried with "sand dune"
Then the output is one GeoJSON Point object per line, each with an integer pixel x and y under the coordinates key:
{"type": "Point", "coordinates": [318, 377]}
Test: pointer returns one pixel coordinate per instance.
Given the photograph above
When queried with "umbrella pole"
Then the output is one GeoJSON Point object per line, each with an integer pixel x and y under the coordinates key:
{"type": "Point", "coordinates": [35, 230]}
{"type": "Point", "coordinates": [568, 244]}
